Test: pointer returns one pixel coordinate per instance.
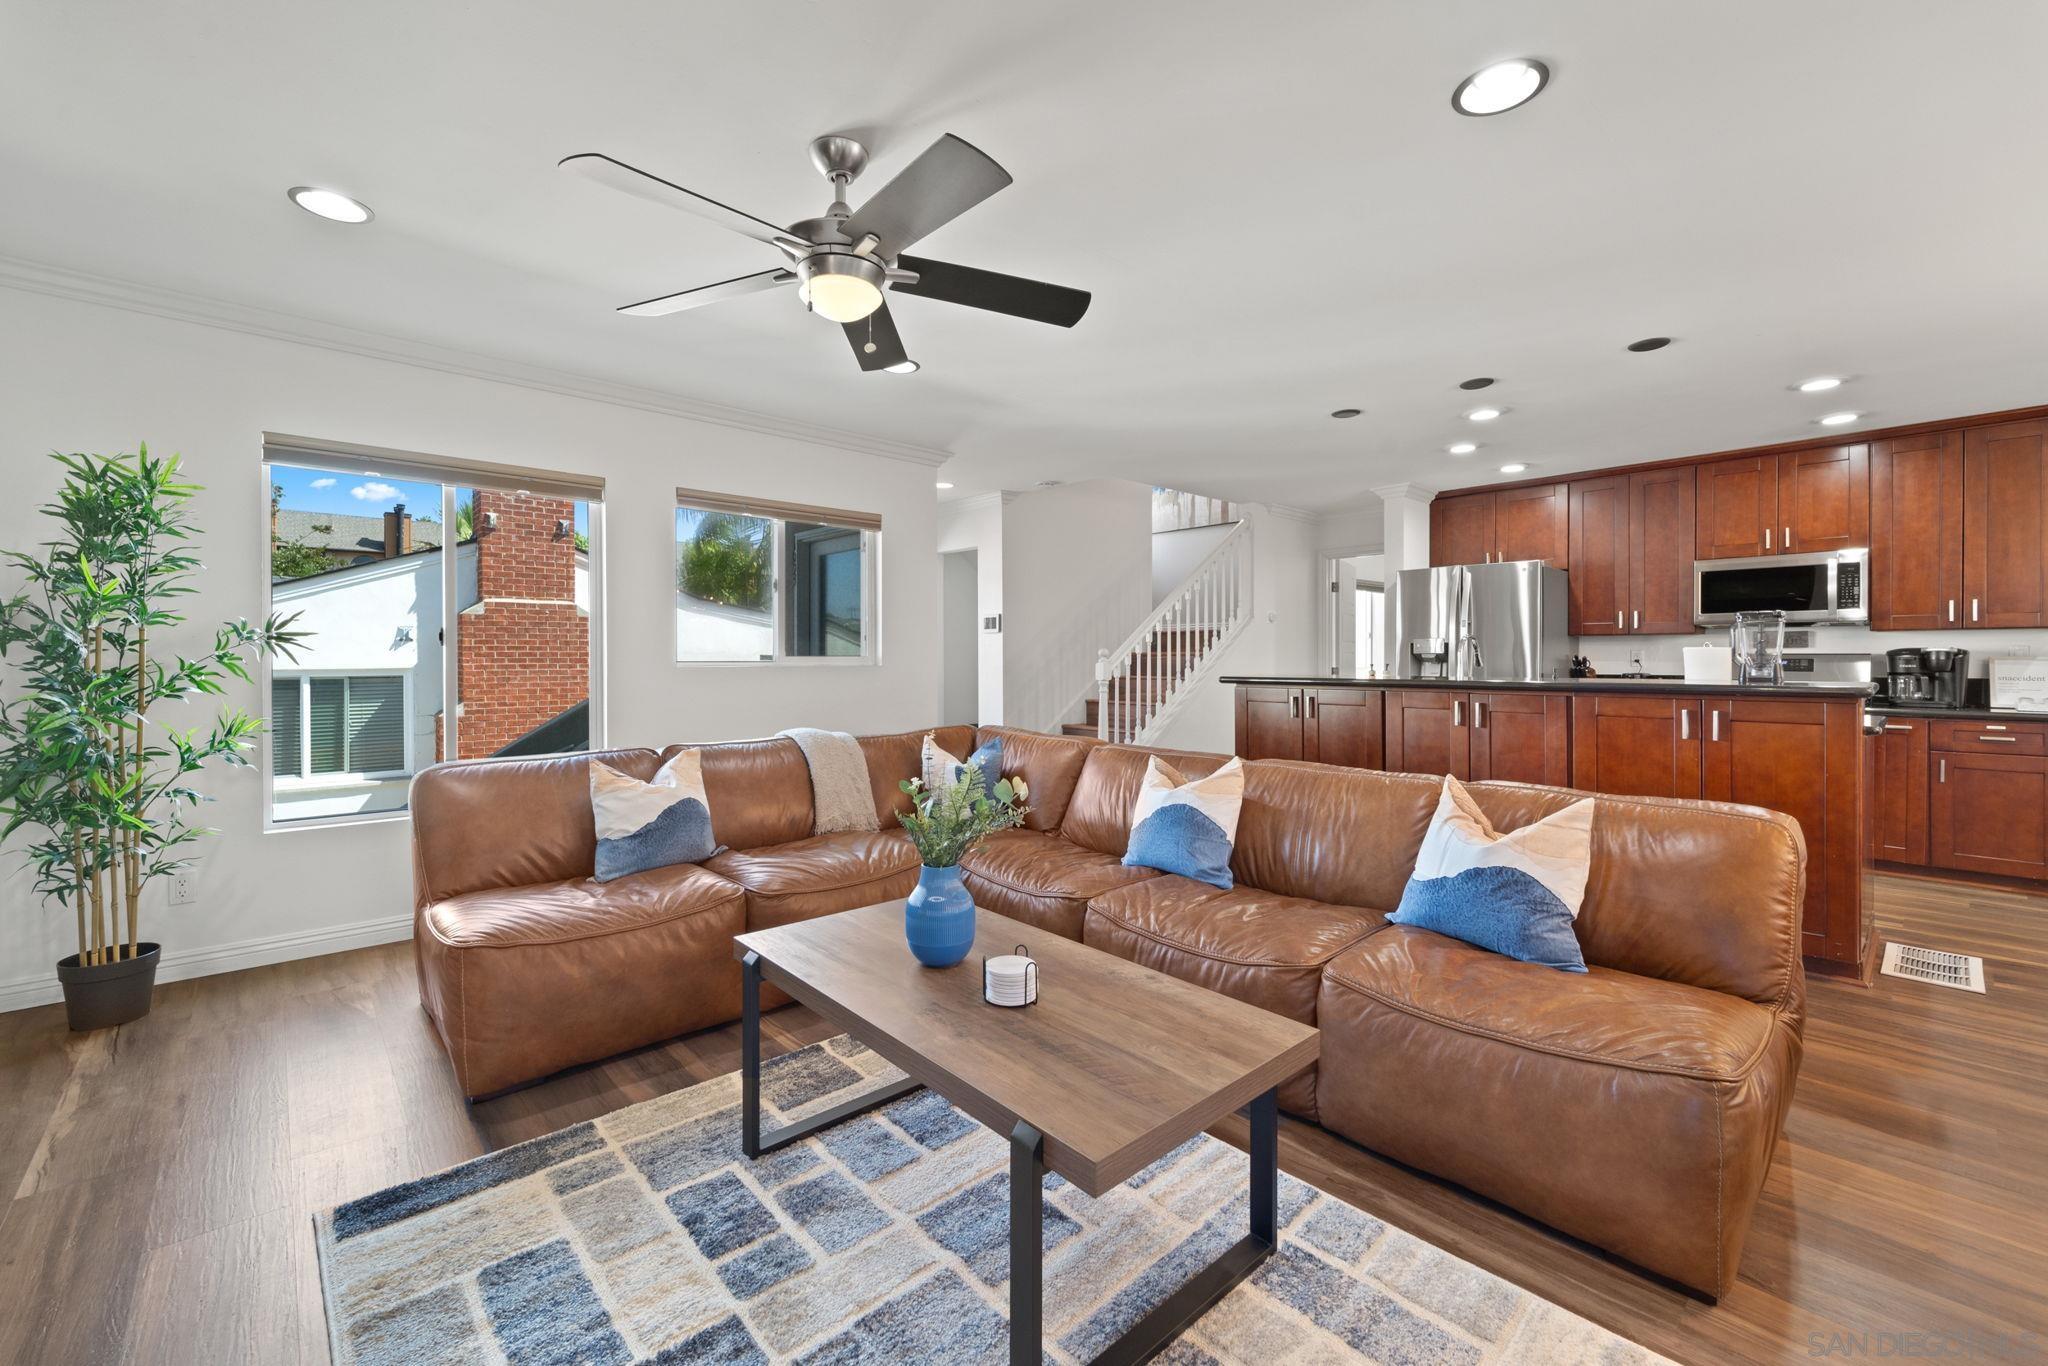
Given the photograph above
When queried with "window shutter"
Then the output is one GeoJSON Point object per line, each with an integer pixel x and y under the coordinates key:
{"type": "Point", "coordinates": [284, 727]}
{"type": "Point", "coordinates": [376, 725]}
{"type": "Point", "coordinates": [326, 725]}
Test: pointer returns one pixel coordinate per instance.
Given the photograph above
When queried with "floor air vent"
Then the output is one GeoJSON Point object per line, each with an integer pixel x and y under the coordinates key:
{"type": "Point", "coordinates": [1957, 970]}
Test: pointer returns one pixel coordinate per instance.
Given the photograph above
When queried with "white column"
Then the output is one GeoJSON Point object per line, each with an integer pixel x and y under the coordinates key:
{"type": "Point", "coordinates": [1405, 510]}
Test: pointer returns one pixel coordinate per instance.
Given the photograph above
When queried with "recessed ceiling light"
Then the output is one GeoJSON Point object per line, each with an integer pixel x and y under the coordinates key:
{"type": "Point", "coordinates": [1498, 88]}
{"type": "Point", "coordinates": [1839, 419]}
{"type": "Point", "coordinates": [1462, 447]}
{"type": "Point", "coordinates": [1512, 469]}
{"type": "Point", "coordinates": [902, 367]}
{"type": "Point", "coordinates": [1346, 412]}
{"type": "Point", "coordinates": [1483, 414]}
{"type": "Point", "coordinates": [1819, 384]}
{"type": "Point", "coordinates": [944, 485]}
{"type": "Point", "coordinates": [330, 204]}
{"type": "Point", "coordinates": [1650, 344]}
{"type": "Point", "coordinates": [1480, 383]}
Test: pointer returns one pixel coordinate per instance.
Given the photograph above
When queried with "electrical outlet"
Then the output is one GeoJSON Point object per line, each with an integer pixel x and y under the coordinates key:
{"type": "Point", "coordinates": [181, 887]}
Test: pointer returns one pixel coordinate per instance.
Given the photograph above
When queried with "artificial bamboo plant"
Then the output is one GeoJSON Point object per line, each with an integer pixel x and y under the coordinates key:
{"type": "Point", "coordinates": [81, 761]}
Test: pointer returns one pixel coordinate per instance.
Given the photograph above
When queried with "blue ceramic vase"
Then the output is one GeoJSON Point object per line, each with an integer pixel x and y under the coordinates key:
{"type": "Point", "coordinates": [938, 919]}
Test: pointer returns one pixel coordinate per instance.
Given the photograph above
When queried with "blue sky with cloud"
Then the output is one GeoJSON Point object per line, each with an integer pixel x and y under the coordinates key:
{"type": "Point", "coordinates": [322, 491]}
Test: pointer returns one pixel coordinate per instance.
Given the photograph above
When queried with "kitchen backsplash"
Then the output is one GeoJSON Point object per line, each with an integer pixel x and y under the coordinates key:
{"type": "Point", "coordinates": [1660, 654]}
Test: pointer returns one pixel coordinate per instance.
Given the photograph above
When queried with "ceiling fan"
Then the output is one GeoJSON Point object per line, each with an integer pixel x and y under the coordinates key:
{"type": "Point", "coordinates": [842, 261]}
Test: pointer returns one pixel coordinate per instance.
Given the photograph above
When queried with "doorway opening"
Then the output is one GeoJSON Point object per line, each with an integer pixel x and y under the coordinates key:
{"type": "Point", "coordinates": [959, 638]}
{"type": "Point", "coordinates": [1355, 628]}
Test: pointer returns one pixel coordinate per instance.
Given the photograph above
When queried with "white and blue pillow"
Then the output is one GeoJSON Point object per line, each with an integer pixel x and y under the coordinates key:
{"type": "Point", "coordinates": [941, 770]}
{"type": "Point", "coordinates": [1516, 894]}
{"type": "Point", "coordinates": [652, 824]}
{"type": "Point", "coordinates": [1187, 827]}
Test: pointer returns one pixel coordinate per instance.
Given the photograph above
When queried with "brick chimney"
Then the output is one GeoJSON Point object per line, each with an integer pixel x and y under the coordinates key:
{"type": "Point", "coordinates": [397, 532]}
{"type": "Point", "coordinates": [524, 646]}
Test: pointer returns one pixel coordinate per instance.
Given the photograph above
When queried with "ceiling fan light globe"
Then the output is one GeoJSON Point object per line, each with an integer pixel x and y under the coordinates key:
{"type": "Point", "coordinates": [843, 288]}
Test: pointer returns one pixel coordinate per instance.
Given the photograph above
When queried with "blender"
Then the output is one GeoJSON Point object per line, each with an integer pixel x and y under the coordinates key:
{"type": "Point", "coordinates": [1758, 639]}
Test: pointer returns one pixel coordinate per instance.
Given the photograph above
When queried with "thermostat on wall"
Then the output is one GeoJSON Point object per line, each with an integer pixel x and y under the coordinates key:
{"type": "Point", "coordinates": [994, 624]}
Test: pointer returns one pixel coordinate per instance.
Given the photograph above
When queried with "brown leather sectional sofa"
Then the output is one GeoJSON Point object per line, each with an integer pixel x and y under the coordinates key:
{"type": "Point", "coordinates": [1635, 1106]}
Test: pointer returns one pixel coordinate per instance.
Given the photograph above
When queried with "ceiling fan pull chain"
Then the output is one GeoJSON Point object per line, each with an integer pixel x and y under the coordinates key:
{"type": "Point", "coordinates": [869, 349]}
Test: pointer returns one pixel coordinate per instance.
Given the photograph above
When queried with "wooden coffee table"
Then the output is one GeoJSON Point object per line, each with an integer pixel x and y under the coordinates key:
{"type": "Point", "coordinates": [1114, 1067]}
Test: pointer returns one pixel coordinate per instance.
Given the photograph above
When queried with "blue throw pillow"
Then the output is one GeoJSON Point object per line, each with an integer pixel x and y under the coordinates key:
{"type": "Point", "coordinates": [1516, 894]}
{"type": "Point", "coordinates": [1186, 827]}
{"type": "Point", "coordinates": [940, 769]}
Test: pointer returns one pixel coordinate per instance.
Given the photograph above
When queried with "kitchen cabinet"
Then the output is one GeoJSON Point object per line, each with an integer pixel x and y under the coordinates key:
{"type": "Point", "coordinates": [1518, 737]}
{"type": "Point", "coordinates": [2005, 525]}
{"type": "Point", "coordinates": [1426, 732]}
{"type": "Point", "coordinates": [1344, 726]}
{"type": "Point", "coordinates": [1325, 725]}
{"type": "Point", "coordinates": [1802, 758]}
{"type": "Point", "coordinates": [1637, 746]}
{"type": "Point", "coordinates": [1916, 532]}
{"type": "Point", "coordinates": [1511, 524]}
{"type": "Point", "coordinates": [1737, 510]}
{"type": "Point", "coordinates": [1989, 813]}
{"type": "Point", "coordinates": [1824, 499]}
{"type": "Point", "coordinates": [1631, 553]}
{"type": "Point", "coordinates": [1895, 799]}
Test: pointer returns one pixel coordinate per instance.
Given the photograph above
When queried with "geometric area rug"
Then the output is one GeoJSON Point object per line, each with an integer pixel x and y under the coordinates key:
{"type": "Point", "coordinates": [647, 1236]}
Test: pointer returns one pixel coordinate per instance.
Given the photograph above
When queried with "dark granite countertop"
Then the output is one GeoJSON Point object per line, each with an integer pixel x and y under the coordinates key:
{"type": "Point", "coordinates": [1573, 685]}
{"type": "Point", "coordinates": [1883, 708]}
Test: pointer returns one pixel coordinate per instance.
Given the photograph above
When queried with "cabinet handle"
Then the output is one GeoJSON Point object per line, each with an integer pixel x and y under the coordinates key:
{"type": "Point", "coordinates": [1973, 609]}
{"type": "Point", "coordinates": [1942, 776]}
{"type": "Point", "coordinates": [1951, 609]}
{"type": "Point", "coordinates": [1999, 739]}
{"type": "Point", "coordinates": [1311, 706]}
{"type": "Point", "coordinates": [1989, 726]}
{"type": "Point", "coordinates": [1457, 715]}
{"type": "Point", "coordinates": [1478, 715]}
{"type": "Point", "coordinates": [1685, 723]}
{"type": "Point", "coordinates": [1294, 706]}
{"type": "Point", "coordinates": [1767, 538]}
{"type": "Point", "coordinates": [1788, 538]}
{"type": "Point", "coordinates": [1714, 725]}
{"type": "Point", "coordinates": [1635, 620]}
{"type": "Point", "coordinates": [1617, 621]}
{"type": "Point", "coordinates": [1891, 726]}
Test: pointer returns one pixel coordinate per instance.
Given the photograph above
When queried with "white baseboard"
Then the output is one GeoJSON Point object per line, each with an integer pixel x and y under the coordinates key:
{"type": "Point", "coordinates": [179, 964]}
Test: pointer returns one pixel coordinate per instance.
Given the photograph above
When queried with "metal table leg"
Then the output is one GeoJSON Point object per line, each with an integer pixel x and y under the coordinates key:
{"type": "Point", "coordinates": [1150, 1335]}
{"type": "Point", "coordinates": [753, 1142]}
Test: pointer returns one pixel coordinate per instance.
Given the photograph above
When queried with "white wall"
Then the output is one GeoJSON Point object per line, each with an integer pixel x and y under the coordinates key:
{"type": "Point", "coordinates": [977, 524]}
{"type": "Point", "coordinates": [80, 376]}
{"type": "Point", "coordinates": [1176, 553]}
{"type": "Point", "coordinates": [1661, 654]}
{"type": "Point", "coordinates": [1281, 637]}
{"type": "Point", "coordinates": [1077, 579]}
{"type": "Point", "coordinates": [959, 638]}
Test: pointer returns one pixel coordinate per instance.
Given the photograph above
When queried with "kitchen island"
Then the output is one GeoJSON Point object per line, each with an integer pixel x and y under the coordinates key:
{"type": "Point", "coordinates": [1796, 748]}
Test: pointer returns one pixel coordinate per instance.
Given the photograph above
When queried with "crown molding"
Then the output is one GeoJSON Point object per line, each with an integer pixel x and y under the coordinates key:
{"type": "Point", "coordinates": [1292, 514]}
{"type": "Point", "coordinates": [36, 277]}
{"type": "Point", "coordinates": [1387, 492]}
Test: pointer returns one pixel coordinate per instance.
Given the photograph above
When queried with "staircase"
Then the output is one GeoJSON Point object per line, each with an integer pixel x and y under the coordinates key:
{"type": "Point", "coordinates": [1143, 682]}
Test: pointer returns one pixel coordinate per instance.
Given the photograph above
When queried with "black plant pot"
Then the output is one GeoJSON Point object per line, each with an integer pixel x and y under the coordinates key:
{"type": "Point", "coordinates": [99, 995]}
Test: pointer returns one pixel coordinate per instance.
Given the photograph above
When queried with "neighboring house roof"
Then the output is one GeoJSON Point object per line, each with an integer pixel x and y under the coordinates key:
{"type": "Point", "coordinates": [346, 533]}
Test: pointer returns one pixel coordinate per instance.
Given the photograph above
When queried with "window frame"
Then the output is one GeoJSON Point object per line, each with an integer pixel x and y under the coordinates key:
{"type": "Point", "coordinates": [779, 598]}
{"type": "Point", "coordinates": [305, 778]}
{"type": "Point", "coordinates": [451, 474]}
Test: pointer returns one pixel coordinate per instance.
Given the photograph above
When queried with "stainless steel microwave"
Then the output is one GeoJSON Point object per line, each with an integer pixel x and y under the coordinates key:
{"type": "Point", "coordinates": [1819, 587]}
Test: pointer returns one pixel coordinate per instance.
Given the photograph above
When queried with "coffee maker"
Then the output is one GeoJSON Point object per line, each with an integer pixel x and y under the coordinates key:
{"type": "Point", "coordinates": [1926, 678]}
{"type": "Point", "coordinates": [1949, 671]}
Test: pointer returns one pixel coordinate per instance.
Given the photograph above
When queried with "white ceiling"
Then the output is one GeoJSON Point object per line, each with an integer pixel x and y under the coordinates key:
{"type": "Point", "coordinates": [1274, 205]}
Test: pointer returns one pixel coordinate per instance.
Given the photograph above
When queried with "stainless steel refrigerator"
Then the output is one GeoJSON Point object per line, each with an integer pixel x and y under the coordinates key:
{"type": "Point", "coordinates": [1488, 623]}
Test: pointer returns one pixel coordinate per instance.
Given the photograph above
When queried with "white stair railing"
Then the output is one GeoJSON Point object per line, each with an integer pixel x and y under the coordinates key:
{"type": "Point", "coordinates": [1144, 681]}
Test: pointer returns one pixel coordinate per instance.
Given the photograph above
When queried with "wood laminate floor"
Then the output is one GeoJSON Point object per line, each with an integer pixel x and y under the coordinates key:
{"type": "Point", "coordinates": [157, 1179]}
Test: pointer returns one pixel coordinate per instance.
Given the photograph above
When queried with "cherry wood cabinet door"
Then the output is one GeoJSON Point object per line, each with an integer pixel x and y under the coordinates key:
{"type": "Point", "coordinates": [2005, 524]}
{"type": "Point", "coordinates": [1636, 746]}
{"type": "Point", "coordinates": [1599, 578]}
{"type": "Point", "coordinates": [1521, 737]}
{"type": "Point", "coordinates": [1346, 726]}
{"type": "Point", "coordinates": [1269, 722]}
{"type": "Point", "coordinates": [1427, 732]}
{"type": "Point", "coordinates": [1660, 551]}
{"type": "Point", "coordinates": [1804, 759]}
{"type": "Point", "coordinates": [1461, 530]}
{"type": "Point", "coordinates": [1896, 779]}
{"type": "Point", "coordinates": [1533, 524]}
{"type": "Point", "coordinates": [1737, 508]}
{"type": "Point", "coordinates": [1990, 814]}
{"type": "Point", "coordinates": [1916, 533]}
{"type": "Point", "coordinates": [1824, 498]}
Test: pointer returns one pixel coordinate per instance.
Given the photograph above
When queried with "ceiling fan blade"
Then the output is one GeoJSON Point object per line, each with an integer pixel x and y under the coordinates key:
{"type": "Point", "coordinates": [948, 178]}
{"type": "Point", "coordinates": [1011, 294]}
{"type": "Point", "coordinates": [709, 294]}
{"type": "Point", "coordinates": [878, 327]}
{"type": "Point", "coordinates": [619, 176]}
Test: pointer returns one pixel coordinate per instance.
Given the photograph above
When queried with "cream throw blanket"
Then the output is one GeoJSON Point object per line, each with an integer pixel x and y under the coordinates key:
{"type": "Point", "coordinates": [840, 796]}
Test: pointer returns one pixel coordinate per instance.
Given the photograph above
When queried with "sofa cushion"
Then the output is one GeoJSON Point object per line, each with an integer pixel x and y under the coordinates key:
{"type": "Point", "coordinates": [524, 981]}
{"type": "Point", "coordinates": [1050, 766]}
{"type": "Point", "coordinates": [759, 791]}
{"type": "Point", "coordinates": [820, 875]}
{"type": "Point", "coordinates": [1262, 948]}
{"type": "Point", "coordinates": [892, 758]}
{"type": "Point", "coordinates": [508, 822]}
{"type": "Point", "coordinates": [1042, 879]}
{"type": "Point", "coordinates": [1105, 795]}
{"type": "Point", "coordinates": [1342, 835]}
{"type": "Point", "coordinates": [1634, 1113]}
